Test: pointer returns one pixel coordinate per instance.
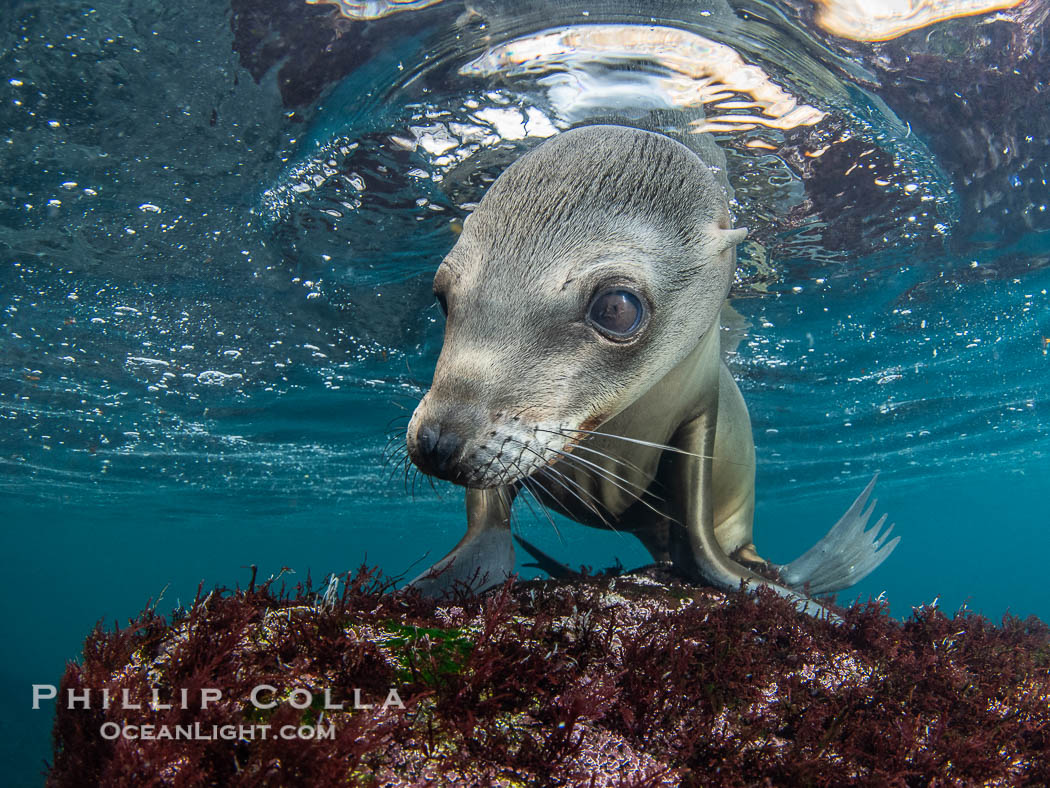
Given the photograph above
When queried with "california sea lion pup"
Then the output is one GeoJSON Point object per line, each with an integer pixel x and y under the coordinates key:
{"type": "Point", "coordinates": [582, 361]}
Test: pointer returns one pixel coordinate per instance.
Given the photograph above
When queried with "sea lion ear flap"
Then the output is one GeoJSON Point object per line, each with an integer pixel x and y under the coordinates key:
{"type": "Point", "coordinates": [730, 238]}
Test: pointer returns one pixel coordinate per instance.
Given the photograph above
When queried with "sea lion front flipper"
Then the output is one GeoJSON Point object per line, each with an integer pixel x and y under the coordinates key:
{"type": "Point", "coordinates": [484, 556]}
{"type": "Point", "coordinates": [847, 553]}
{"type": "Point", "coordinates": [693, 492]}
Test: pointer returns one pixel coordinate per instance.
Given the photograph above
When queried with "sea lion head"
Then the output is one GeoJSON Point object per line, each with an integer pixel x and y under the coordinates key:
{"type": "Point", "coordinates": [592, 266]}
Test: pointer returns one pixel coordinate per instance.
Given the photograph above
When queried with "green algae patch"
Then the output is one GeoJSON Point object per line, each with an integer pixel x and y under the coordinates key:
{"type": "Point", "coordinates": [427, 654]}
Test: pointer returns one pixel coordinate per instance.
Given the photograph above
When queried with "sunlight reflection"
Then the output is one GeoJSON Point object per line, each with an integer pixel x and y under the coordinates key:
{"type": "Point", "coordinates": [882, 20]}
{"type": "Point", "coordinates": [588, 65]}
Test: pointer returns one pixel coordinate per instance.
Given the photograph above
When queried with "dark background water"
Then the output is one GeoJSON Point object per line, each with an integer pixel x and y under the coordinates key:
{"type": "Point", "coordinates": [215, 262]}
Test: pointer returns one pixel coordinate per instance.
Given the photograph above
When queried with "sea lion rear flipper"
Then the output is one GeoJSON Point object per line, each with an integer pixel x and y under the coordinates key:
{"type": "Point", "coordinates": [695, 442]}
{"type": "Point", "coordinates": [847, 553]}
{"type": "Point", "coordinates": [484, 556]}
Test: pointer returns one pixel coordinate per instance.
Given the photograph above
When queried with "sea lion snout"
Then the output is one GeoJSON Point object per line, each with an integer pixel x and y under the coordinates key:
{"type": "Point", "coordinates": [474, 446]}
{"type": "Point", "coordinates": [438, 438]}
{"type": "Point", "coordinates": [446, 439]}
{"type": "Point", "coordinates": [436, 448]}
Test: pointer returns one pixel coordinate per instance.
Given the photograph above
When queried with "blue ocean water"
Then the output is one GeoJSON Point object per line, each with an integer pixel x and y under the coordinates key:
{"type": "Point", "coordinates": [215, 258]}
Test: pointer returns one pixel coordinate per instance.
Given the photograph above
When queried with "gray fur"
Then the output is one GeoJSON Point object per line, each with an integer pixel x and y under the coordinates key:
{"type": "Point", "coordinates": [571, 194]}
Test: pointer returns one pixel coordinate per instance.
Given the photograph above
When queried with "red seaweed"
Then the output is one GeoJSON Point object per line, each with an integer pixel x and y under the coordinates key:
{"type": "Point", "coordinates": [635, 680]}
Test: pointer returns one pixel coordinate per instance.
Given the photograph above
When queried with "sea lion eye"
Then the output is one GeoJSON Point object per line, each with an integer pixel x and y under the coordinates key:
{"type": "Point", "coordinates": [616, 313]}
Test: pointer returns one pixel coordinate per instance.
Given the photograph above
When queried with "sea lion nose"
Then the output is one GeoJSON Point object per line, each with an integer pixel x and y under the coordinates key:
{"type": "Point", "coordinates": [436, 445]}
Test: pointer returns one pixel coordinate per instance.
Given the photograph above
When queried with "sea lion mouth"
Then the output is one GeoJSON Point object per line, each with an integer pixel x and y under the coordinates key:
{"type": "Point", "coordinates": [507, 453]}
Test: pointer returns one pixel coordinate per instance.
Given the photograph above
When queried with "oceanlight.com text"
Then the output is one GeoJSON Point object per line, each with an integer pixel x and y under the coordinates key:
{"type": "Point", "coordinates": [198, 732]}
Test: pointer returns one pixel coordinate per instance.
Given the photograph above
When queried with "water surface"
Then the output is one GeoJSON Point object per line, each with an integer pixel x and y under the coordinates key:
{"type": "Point", "coordinates": [218, 227]}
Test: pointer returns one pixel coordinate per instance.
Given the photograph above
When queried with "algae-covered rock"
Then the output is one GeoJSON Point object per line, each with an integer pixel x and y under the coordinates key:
{"type": "Point", "coordinates": [599, 681]}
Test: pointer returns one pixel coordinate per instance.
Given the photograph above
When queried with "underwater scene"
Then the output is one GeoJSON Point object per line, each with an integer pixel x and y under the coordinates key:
{"type": "Point", "coordinates": [220, 224]}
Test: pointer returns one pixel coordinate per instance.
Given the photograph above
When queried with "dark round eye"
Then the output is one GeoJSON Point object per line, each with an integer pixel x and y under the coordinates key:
{"type": "Point", "coordinates": [617, 312]}
{"type": "Point", "coordinates": [442, 302]}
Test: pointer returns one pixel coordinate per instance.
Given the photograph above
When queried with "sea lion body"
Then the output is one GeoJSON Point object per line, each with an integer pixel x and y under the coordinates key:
{"type": "Point", "coordinates": [582, 360]}
{"type": "Point", "coordinates": [677, 398]}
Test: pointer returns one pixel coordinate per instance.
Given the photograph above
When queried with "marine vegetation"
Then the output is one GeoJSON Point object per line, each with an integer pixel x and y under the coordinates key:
{"type": "Point", "coordinates": [622, 680]}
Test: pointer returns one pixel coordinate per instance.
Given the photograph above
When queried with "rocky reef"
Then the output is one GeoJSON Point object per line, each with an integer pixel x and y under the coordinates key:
{"type": "Point", "coordinates": [602, 681]}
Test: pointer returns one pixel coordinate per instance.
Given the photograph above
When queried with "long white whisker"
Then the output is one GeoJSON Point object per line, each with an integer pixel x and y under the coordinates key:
{"type": "Point", "coordinates": [606, 473]}
{"type": "Point", "coordinates": [639, 441]}
{"type": "Point", "coordinates": [544, 509]}
{"type": "Point", "coordinates": [611, 478]}
{"type": "Point", "coordinates": [506, 472]}
{"type": "Point", "coordinates": [524, 483]}
{"type": "Point", "coordinates": [564, 481]}
{"type": "Point", "coordinates": [619, 460]}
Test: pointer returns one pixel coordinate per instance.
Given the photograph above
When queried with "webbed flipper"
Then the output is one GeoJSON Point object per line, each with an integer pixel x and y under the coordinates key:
{"type": "Point", "coordinates": [847, 553]}
{"type": "Point", "coordinates": [484, 556]}
{"type": "Point", "coordinates": [693, 466]}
